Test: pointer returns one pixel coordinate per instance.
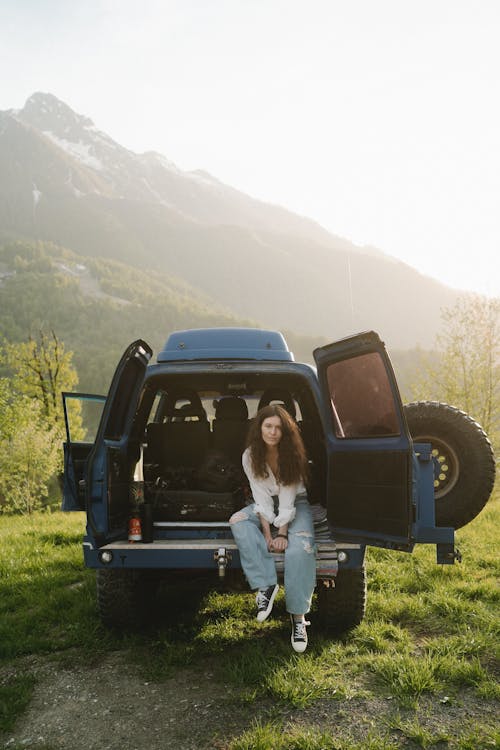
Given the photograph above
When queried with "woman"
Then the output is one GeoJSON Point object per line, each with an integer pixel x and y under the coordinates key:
{"type": "Point", "coordinates": [275, 463]}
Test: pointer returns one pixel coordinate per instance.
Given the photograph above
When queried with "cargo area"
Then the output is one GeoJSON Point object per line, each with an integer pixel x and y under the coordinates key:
{"type": "Point", "coordinates": [194, 436]}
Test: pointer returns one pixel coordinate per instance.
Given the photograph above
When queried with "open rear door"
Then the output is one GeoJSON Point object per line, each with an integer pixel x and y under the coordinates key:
{"type": "Point", "coordinates": [369, 447]}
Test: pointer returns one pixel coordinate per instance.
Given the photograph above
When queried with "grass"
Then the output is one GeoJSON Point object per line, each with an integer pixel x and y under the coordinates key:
{"type": "Point", "coordinates": [429, 644]}
{"type": "Point", "coordinates": [15, 695]}
{"type": "Point", "coordinates": [269, 736]}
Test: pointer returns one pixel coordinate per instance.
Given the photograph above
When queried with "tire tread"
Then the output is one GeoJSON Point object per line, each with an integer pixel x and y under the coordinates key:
{"type": "Point", "coordinates": [476, 477]}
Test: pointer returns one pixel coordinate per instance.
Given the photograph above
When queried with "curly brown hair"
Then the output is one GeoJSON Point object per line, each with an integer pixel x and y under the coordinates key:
{"type": "Point", "coordinates": [292, 458]}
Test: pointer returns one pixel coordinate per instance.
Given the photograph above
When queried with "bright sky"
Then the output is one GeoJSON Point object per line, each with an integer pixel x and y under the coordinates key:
{"type": "Point", "coordinates": [378, 118]}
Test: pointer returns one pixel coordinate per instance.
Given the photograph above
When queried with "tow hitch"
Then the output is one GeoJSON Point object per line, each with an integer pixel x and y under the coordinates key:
{"type": "Point", "coordinates": [222, 557]}
{"type": "Point", "coordinates": [447, 554]}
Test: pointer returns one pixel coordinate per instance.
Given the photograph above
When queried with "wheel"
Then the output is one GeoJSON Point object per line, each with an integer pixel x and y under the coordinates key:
{"type": "Point", "coordinates": [343, 606]}
{"type": "Point", "coordinates": [124, 597]}
{"type": "Point", "coordinates": [464, 464]}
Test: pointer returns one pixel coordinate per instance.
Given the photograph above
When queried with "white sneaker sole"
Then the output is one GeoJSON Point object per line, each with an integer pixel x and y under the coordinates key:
{"type": "Point", "coordinates": [261, 616]}
{"type": "Point", "coordinates": [298, 646]}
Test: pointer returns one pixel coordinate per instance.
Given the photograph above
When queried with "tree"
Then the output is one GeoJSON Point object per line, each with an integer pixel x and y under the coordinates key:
{"type": "Point", "coordinates": [42, 369]}
{"type": "Point", "coordinates": [29, 453]}
{"type": "Point", "coordinates": [32, 427]}
{"type": "Point", "coordinates": [467, 374]}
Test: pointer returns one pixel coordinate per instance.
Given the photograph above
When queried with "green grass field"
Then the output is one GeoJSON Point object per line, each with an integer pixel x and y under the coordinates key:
{"type": "Point", "coordinates": [427, 648]}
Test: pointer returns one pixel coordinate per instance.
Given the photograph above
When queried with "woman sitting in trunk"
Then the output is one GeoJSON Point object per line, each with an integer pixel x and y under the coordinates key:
{"type": "Point", "coordinates": [279, 520]}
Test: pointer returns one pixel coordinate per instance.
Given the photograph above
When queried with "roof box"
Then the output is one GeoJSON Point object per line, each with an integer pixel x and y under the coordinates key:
{"type": "Point", "coordinates": [225, 343]}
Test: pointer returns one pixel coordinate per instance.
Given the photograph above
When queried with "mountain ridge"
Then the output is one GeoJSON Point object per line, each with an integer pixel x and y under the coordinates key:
{"type": "Point", "coordinates": [65, 181]}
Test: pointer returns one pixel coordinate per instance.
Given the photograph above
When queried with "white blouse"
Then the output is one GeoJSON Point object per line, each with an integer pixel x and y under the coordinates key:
{"type": "Point", "coordinates": [263, 490]}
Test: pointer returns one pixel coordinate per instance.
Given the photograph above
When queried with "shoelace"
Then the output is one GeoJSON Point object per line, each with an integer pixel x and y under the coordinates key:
{"type": "Point", "coordinates": [262, 599]}
{"type": "Point", "coordinates": [299, 630]}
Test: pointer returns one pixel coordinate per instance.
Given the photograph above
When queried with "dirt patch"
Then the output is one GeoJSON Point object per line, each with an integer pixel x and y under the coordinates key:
{"type": "Point", "coordinates": [111, 707]}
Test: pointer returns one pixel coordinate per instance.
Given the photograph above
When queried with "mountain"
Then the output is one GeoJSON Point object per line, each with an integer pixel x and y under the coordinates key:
{"type": "Point", "coordinates": [63, 180]}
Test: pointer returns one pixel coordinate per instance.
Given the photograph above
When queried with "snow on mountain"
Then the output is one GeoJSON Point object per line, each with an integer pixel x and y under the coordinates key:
{"type": "Point", "coordinates": [151, 177]}
{"type": "Point", "coordinates": [79, 150]}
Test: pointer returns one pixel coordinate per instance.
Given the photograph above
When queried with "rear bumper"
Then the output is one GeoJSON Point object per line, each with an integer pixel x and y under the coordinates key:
{"type": "Point", "coordinates": [209, 555]}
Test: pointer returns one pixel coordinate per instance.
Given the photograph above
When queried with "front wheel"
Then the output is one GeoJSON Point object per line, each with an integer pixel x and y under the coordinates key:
{"type": "Point", "coordinates": [464, 464]}
{"type": "Point", "coordinates": [343, 606]}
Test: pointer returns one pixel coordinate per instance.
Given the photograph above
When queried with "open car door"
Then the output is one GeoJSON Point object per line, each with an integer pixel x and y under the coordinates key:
{"type": "Point", "coordinates": [369, 447]}
{"type": "Point", "coordinates": [107, 474]}
{"type": "Point", "coordinates": [82, 414]}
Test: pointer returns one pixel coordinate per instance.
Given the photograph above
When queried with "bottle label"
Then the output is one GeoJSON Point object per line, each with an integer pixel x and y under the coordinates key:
{"type": "Point", "coordinates": [134, 530]}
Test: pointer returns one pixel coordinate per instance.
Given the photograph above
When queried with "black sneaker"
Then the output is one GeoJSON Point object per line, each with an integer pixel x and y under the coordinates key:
{"type": "Point", "coordinates": [299, 635]}
{"type": "Point", "coordinates": [265, 599]}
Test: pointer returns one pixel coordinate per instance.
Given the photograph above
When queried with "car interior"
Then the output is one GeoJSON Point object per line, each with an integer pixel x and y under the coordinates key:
{"type": "Point", "coordinates": [195, 434]}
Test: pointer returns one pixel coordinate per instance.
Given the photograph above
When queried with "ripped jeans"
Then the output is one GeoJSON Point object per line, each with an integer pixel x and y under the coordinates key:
{"type": "Point", "coordinates": [300, 555]}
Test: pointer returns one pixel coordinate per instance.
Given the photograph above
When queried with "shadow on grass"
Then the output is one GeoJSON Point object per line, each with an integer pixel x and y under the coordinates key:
{"type": "Point", "coordinates": [215, 631]}
{"type": "Point", "coordinates": [197, 622]}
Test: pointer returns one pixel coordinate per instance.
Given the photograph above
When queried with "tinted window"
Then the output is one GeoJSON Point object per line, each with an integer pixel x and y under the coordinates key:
{"type": "Point", "coordinates": [122, 400]}
{"type": "Point", "coordinates": [361, 397]}
{"type": "Point", "coordinates": [83, 414]}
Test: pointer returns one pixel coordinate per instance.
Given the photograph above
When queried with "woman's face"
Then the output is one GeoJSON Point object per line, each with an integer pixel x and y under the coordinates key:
{"type": "Point", "coordinates": [271, 430]}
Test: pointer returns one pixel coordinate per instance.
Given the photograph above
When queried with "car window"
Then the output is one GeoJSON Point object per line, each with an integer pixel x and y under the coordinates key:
{"type": "Point", "coordinates": [209, 399]}
{"type": "Point", "coordinates": [361, 397]}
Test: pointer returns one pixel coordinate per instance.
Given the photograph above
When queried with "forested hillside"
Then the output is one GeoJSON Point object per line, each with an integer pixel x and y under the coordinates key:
{"type": "Point", "coordinates": [97, 307]}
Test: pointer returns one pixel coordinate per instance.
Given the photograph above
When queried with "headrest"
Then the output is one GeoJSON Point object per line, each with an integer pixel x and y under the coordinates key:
{"type": "Point", "coordinates": [278, 398]}
{"type": "Point", "coordinates": [177, 410]}
{"type": "Point", "coordinates": [231, 407]}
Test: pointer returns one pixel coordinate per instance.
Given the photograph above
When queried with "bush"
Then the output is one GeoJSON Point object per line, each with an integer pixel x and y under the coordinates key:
{"type": "Point", "coordinates": [29, 452]}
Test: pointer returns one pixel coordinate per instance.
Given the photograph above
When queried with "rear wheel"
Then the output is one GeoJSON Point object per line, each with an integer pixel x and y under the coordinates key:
{"type": "Point", "coordinates": [124, 597]}
{"type": "Point", "coordinates": [464, 465]}
{"type": "Point", "coordinates": [342, 607]}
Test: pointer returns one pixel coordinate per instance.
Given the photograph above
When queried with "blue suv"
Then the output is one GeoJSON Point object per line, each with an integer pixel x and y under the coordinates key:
{"type": "Point", "coordinates": [157, 464]}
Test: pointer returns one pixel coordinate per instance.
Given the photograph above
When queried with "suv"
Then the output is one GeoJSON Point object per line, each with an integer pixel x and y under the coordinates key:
{"type": "Point", "coordinates": [163, 474]}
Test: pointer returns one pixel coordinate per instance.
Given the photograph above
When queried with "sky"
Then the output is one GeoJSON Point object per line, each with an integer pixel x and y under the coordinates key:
{"type": "Point", "coordinates": [380, 119]}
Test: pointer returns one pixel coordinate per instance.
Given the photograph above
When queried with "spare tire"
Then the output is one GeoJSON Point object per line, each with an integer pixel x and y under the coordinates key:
{"type": "Point", "coordinates": [464, 464]}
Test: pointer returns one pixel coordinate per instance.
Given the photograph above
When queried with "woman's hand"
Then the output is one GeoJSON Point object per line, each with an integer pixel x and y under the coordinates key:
{"type": "Point", "coordinates": [280, 543]}
{"type": "Point", "coordinates": [269, 542]}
